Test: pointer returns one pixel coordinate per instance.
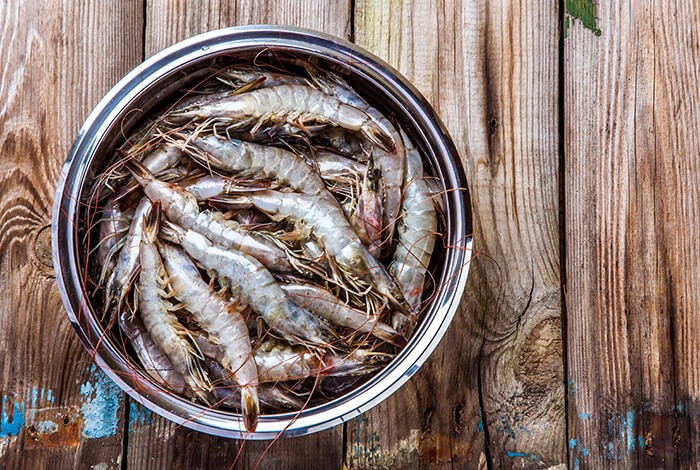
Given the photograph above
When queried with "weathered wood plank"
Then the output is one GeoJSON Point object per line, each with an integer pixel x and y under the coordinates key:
{"type": "Point", "coordinates": [170, 21]}
{"type": "Point", "coordinates": [631, 161]}
{"type": "Point", "coordinates": [57, 410]}
{"type": "Point", "coordinates": [491, 70]}
{"type": "Point", "coordinates": [154, 442]}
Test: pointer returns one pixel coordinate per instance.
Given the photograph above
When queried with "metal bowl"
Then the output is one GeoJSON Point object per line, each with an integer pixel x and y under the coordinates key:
{"type": "Point", "coordinates": [145, 89]}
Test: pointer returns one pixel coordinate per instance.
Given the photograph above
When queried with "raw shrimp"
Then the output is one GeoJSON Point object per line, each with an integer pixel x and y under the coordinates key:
{"type": "Point", "coordinates": [182, 208]}
{"type": "Point", "coordinates": [124, 273]}
{"type": "Point", "coordinates": [328, 306]}
{"type": "Point", "coordinates": [229, 394]}
{"type": "Point", "coordinates": [366, 218]}
{"type": "Point", "coordinates": [339, 169]}
{"type": "Point", "coordinates": [280, 362]}
{"type": "Point", "coordinates": [255, 285]}
{"type": "Point", "coordinates": [260, 161]}
{"type": "Point", "coordinates": [390, 164]}
{"type": "Point", "coordinates": [333, 231]}
{"type": "Point", "coordinates": [171, 337]}
{"type": "Point", "coordinates": [417, 230]}
{"type": "Point", "coordinates": [162, 159]}
{"type": "Point", "coordinates": [242, 74]}
{"type": "Point", "coordinates": [344, 142]}
{"type": "Point", "coordinates": [221, 320]}
{"type": "Point", "coordinates": [154, 362]}
{"type": "Point", "coordinates": [113, 226]}
{"type": "Point", "coordinates": [292, 104]}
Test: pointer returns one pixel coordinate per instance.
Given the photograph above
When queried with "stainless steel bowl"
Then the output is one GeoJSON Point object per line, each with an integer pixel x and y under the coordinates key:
{"type": "Point", "coordinates": [144, 90]}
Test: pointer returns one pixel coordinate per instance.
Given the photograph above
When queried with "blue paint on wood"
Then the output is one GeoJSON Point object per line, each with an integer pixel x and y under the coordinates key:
{"type": "Point", "coordinates": [46, 427]}
{"type": "Point", "coordinates": [10, 426]}
{"type": "Point", "coordinates": [103, 399]}
{"type": "Point", "coordinates": [584, 416]}
{"type": "Point", "coordinates": [139, 414]}
{"type": "Point", "coordinates": [631, 442]}
{"type": "Point", "coordinates": [516, 454]}
{"type": "Point", "coordinates": [572, 443]}
{"type": "Point", "coordinates": [641, 442]}
{"type": "Point", "coordinates": [507, 429]}
{"type": "Point", "coordinates": [576, 464]}
{"type": "Point", "coordinates": [480, 426]}
{"type": "Point", "coordinates": [572, 387]}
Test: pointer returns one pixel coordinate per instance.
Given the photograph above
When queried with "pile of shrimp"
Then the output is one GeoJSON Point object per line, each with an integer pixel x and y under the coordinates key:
{"type": "Point", "coordinates": [265, 241]}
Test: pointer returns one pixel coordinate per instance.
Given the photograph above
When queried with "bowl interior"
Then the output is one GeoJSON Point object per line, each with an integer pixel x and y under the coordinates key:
{"type": "Point", "coordinates": [158, 84]}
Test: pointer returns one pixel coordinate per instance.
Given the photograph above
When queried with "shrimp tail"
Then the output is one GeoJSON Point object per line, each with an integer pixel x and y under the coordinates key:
{"type": "Point", "coordinates": [151, 222]}
{"type": "Point", "coordinates": [377, 136]}
{"type": "Point", "coordinates": [171, 232]}
{"type": "Point", "coordinates": [142, 174]}
{"type": "Point", "coordinates": [391, 336]}
{"type": "Point", "coordinates": [233, 201]}
{"type": "Point", "coordinates": [250, 408]}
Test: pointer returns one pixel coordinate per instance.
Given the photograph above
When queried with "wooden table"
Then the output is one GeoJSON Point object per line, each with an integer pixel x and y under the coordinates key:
{"type": "Point", "coordinates": [578, 340]}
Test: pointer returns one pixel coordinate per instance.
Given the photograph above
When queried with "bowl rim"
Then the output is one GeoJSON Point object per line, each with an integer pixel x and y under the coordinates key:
{"type": "Point", "coordinates": [163, 65]}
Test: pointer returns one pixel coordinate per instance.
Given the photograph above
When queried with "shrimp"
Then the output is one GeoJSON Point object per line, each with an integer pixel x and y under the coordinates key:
{"type": "Point", "coordinates": [171, 337]}
{"type": "Point", "coordinates": [344, 142]}
{"type": "Point", "coordinates": [390, 164]}
{"type": "Point", "coordinates": [124, 273]}
{"type": "Point", "coordinates": [228, 394]}
{"type": "Point", "coordinates": [417, 230]}
{"type": "Point", "coordinates": [339, 169]}
{"type": "Point", "coordinates": [250, 218]}
{"type": "Point", "coordinates": [292, 104]}
{"type": "Point", "coordinates": [278, 362]}
{"type": "Point", "coordinates": [255, 286]}
{"type": "Point", "coordinates": [366, 218]}
{"type": "Point", "coordinates": [182, 208]}
{"type": "Point", "coordinates": [333, 231]}
{"type": "Point", "coordinates": [159, 161]}
{"type": "Point", "coordinates": [242, 74]}
{"type": "Point", "coordinates": [326, 305]}
{"type": "Point", "coordinates": [113, 226]}
{"type": "Point", "coordinates": [221, 320]}
{"type": "Point", "coordinates": [154, 362]}
{"type": "Point", "coordinates": [164, 157]}
{"type": "Point", "coordinates": [260, 161]}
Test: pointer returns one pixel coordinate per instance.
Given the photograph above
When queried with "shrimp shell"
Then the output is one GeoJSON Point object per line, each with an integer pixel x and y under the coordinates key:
{"type": "Point", "coordinates": [333, 231]}
{"type": "Point", "coordinates": [367, 216]}
{"type": "Point", "coordinates": [334, 167]}
{"type": "Point", "coordinates": [279, 363]}
{"type": "Point", "coordinates": [293, 104]}
{"type": "Point", "coordinates": [326, 305]}
{"type": "Point", "coordinates": [124, 272]}
{"type": "Point", "coordinates": [221, 320]}
{"type": "Point", "coordinates": [417, 231]}
{"type": "Point", "coordinates": [182, 208]}
{"type": "Point", "coordinates": [170, 336]}
{"type": "Point", "coordinates": [154, 362]}
{"type": "Point", "coordinates": [249, 279]}
{"type": "Point", "coordinates": [248, 159]}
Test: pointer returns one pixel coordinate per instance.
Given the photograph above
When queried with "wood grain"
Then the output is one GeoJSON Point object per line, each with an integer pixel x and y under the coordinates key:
{"type": "Point", "coordinates": [170, 21]}
{"type": "Point", "coordinates": [160, 444]}
{"type": "Point", "coordinates": [491, 71]}
{"type": "Point", "coordinates": [631, 152]}
{"type": "Point", "coordinates": [56, 68]}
